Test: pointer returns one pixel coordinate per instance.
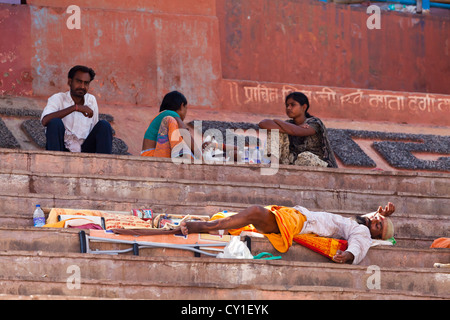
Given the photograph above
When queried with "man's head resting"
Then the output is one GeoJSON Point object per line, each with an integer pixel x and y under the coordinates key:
{"type": "Point", "coordinates": [380, 227]}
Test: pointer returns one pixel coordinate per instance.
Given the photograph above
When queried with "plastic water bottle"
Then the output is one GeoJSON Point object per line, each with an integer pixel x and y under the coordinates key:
{"type": "Point", "coordinates": [264, 158]}
{"type": "Point", "coordinates": [38, 217]}
{"type": "Point", "coordinates": [257, 155]}
{"type": "Point", "coordinates": [246, 155]}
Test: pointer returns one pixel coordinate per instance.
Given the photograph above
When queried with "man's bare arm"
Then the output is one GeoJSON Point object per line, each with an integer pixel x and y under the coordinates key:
{"type": "Point", "coordinates": [288, 128]}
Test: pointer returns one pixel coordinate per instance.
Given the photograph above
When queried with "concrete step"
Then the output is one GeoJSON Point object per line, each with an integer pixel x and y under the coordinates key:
{"type": "Point", "coordinates": [112, 290]}
{"type": "Point", "coordinates": [119, 183]}
{"type": "Point", "coordinates": [382, 256]}
{"type": "Point", "coordinates": [45, 297]}
{"type": "Point", "coordinates": [16, 210]}
{"type": "Point", "coordinates": [67, 240]}
{"type": "Point", "coordinates": [30, 273]}
{"type": "Point", "coordinates": [92, 165]}
{"type": "Point", "coordinates": [159, 190]}
{"type": "Point", "coordinates": [36, 260]}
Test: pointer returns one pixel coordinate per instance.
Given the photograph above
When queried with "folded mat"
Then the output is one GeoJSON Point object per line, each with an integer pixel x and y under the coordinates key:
{"type": "Point", "coordinates": [112, 220]}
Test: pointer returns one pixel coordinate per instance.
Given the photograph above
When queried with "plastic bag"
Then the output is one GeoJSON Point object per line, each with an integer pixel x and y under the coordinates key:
{"type": "Point", "coordinates": [235, 249]}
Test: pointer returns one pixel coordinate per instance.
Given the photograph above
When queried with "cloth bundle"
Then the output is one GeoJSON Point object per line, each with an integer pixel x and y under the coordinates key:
{"type": "Point", "coordinates": [112, 221]}
{"type": "Point", "coordinates": [324, 246]}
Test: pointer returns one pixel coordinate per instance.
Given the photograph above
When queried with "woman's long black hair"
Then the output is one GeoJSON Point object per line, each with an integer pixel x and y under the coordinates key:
{"type": "Point", "coordinates": [173, 101]}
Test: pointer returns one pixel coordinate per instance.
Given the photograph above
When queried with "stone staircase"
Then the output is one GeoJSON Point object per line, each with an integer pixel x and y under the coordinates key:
{"type": "Point", "coordinates": [36, 263]}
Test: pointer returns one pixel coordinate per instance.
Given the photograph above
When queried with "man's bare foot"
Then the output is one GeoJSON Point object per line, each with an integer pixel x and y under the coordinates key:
{"type": "Point", "coordinates": [194, 227]}
{"type": "Point", "coordinates": [183, 228]}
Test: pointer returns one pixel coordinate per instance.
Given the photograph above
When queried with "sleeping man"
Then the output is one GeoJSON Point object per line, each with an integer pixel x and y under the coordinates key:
{"type": "Point", "coordinates": [281, 224]}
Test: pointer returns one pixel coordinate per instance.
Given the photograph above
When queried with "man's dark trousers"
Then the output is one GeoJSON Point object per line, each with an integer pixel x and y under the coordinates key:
{"type": "Point", "coordinates": [99, 139]}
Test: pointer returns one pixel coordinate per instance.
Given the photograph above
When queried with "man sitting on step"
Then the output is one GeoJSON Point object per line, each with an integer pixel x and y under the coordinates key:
{"type": "Point", "coordinates": [72, 120]}
{"type": "Point", "coordinates": [281, 224]}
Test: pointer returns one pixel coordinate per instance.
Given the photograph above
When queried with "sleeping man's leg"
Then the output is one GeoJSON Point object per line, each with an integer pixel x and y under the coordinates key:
{"type": "Point", "coordinates": [262, 219]}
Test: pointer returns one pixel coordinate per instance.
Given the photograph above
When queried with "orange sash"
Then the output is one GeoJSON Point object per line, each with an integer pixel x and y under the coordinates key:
{"type": "Point", "coordinates": [324, 246]}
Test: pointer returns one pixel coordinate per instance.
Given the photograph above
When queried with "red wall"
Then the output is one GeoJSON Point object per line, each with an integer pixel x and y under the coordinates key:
{"type": "Point", "coordinates": [179, 7]}
{"type": "Point", "coordinates": [15, 51]}
{"type": "Point", "coordinates": [315, 43]}
{"type": "Point", "coordinates": [215, 50]}
{"type": "Point", "coordinates": [338, 102]}
{"type": "Point", "coordinates": [138, 54]}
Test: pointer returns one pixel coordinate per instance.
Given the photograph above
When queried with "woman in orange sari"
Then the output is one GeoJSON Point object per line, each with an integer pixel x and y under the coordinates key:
{"type": "Point", "coordinates": [163, 138]}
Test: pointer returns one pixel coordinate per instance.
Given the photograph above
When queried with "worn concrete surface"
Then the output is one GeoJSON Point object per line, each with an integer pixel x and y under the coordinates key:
{"type": "Point", "coordinates": [49, 269]}
{"type": "Point", "coordinates": [67, 240]}
{"type": "Point", "coordinates": [343, 70]}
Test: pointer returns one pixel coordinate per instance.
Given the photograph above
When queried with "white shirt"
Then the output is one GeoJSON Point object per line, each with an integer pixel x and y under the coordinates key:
{"type": "Point", "coordinates": [77, 125]}
{"type": "Point", "coordinates": [330, 225]}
